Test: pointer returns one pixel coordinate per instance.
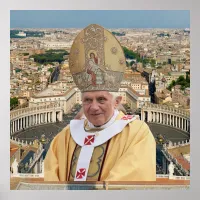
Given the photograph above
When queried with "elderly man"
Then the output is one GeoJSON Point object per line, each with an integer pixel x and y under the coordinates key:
{"type": "Point", "coordinates": [106, 145]}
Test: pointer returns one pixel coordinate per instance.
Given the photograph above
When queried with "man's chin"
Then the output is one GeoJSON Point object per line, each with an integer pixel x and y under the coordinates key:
{"type": "Point", "coordinates": [97, 123]}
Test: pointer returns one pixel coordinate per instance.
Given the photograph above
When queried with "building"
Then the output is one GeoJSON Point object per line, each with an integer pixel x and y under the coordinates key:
{"type": "Point", "coordinates": [60, 93]}
{"type": "Point", "coordinates": [181, 97]}
{"type": "Point", "coordinates": [132, 98]}
{"type": "Point", "coordinates": [176, 75]}
{"type": "Point", "coordinates": [162, 97]}
{"type": "Point", "coordinates": [56, 44]}
{"type": "Point", "coordinates": [22, 34]}
{"type": "Point", "coordinates": [136, 82]}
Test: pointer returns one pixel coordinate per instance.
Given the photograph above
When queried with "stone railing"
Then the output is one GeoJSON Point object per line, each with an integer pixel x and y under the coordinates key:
{"type": "Point", "coordinates": [174, 145]}
{"type": "Point", "coordinates": [173, 177]}
{"type": "Point", "coordinates": [17, 141]}
{"type": "Point", "coordinates": [180, 177]}
{"type": "Point", "coordinates": [162, 175]}
{"type": "Point", "coordinates": [27, 175]}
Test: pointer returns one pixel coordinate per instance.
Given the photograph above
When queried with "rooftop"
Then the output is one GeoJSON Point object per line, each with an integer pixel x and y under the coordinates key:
{"type": "Point", "coordinates": [13, 149]}
{"type": "Point", "coordinates": [179, 153]}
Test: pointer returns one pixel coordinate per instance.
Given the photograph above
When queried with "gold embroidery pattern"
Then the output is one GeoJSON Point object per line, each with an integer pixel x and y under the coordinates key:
{"type": "Point", "coordinates": [95, 163]}
{"type": "Point", "coordinates": [96, 61]}
{"type": "Point", "coordinates": [114, 50]}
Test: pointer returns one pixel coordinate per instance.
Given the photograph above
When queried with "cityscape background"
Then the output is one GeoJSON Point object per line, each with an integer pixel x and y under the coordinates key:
{"type": "Point", "coordinates": [156, 84]}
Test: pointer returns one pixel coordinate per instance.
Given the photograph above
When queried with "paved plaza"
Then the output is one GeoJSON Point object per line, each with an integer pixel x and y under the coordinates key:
{"type": "Point", "coordinates": [51, 130]}
{"type": "Point", "coordinates": [170, 133]}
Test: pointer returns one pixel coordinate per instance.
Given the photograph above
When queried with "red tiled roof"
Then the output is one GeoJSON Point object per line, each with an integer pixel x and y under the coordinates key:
{"type": "Point", "coordinates": [13, 149]}
{"type": "Point", "coordinates": [182, 161]}
{"type": "Point", "coordinates": [178, 154]}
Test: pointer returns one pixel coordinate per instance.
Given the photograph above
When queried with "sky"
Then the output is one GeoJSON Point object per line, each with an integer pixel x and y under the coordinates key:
{"type": "Point", "coordinates": [106, 18]}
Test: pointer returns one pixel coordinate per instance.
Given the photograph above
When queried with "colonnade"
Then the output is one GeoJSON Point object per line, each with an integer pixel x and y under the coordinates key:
{"type": "Point", "coordinates": [167, 116]}
{"type": "Point", "coordinates": [29, 117]}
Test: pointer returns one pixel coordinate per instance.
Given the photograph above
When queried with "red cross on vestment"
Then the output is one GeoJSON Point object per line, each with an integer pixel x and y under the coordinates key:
{"type": "Point", "coordinates": [89, 140]}
{"type": "Point", "coordinates": [127, 117]}
{"type": "Point", "coordinates": [80, 173]}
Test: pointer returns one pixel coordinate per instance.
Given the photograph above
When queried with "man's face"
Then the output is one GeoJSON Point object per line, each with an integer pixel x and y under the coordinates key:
{"type": "Point", "coordinates": [98, 106]}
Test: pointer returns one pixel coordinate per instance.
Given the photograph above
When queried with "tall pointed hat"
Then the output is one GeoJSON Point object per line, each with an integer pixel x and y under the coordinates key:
{"type": "Point", "coordinates": [97, 60]}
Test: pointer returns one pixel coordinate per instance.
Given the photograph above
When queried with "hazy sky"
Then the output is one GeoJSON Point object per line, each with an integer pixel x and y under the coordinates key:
{"type": "Point", "coordinates": [106, 18]}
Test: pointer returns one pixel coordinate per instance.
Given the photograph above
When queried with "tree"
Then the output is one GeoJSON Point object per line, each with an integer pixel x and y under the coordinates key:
{"type": "Point", "coordinates": [171, 85]}
{"type": "Point", "coordinates": [131, 55]}
{"type": "Point", "coordinates": [188, 77]}
{"type": "Point", "coordinates": [131, 63]}
{"type": "Point", "coordinates": [50, 70]}
{"type": "Point", "coordinates": [185, 83]}
{"type": "Point", "coordinates": [180, 79]}
{"type": "Point", "coordinates": [118, 34]}
{"type": "Point", "coordinates": [50, 56]}
{"type": "Point", "coordinates": [153, 62]}
{"type": "Point", "coordinates": [13, 102]}
{"type": "Point", "coordinates": [17, 70]}
{"type": "Point", "coordinates": [127, 64]}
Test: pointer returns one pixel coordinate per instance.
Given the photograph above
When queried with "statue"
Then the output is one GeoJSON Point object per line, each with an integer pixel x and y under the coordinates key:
{"type": "Point", "coordinates": [171, 169]}
{"type": "Point", "coordinates": [43, 167]}
{"type": "Point", "coordinates": [15, 167]}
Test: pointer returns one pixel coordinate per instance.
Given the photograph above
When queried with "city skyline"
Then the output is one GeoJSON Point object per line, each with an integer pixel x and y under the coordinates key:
{"type": "Point", "coordinates": [119, 19]}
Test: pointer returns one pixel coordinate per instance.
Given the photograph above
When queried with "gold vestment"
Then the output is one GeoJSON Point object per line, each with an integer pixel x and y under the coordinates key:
{"type": "Point", "coordinates": [129, 156]}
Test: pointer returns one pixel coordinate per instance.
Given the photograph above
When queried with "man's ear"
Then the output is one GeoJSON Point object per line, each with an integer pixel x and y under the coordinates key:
{"type": "Point", "coordinates": [118, 101]}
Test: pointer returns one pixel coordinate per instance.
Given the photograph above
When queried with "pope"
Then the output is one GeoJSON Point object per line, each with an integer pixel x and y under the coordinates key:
{"type": "Point", "coordinates": [105, 144]}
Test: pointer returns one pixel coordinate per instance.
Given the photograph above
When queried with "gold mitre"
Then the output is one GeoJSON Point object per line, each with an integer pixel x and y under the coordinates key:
{"type": "Point", "coordinates": [97, 60]}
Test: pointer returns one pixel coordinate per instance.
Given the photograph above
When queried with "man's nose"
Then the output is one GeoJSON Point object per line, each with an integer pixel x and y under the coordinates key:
{"type": "Point", "coordinates": [94, 105]}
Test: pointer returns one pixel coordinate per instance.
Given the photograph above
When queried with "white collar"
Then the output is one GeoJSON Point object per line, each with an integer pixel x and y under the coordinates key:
{"type": "Point", "coordinates": [116, 112]}
{"type": "Point", "coordinates": [79, 134]}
